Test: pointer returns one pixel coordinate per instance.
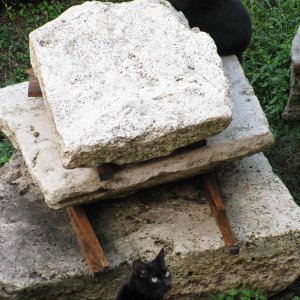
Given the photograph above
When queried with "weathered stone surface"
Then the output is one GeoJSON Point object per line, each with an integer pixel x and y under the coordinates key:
{"type": "Point", "coordinates": [26, 123]}
{"type": "Point", "coordinates": [40, 258]}
{"type": "Point", "coordinates": [20, 118]}
{"type": "Point", "coordinates": [296, 51]}
{"type": "Point", "coordinates": [136, 82]}
{"type": "Point", "coordinates": [292, 109]}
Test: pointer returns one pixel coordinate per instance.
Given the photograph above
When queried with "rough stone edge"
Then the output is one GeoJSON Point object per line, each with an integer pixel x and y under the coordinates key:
{"type": "Point", "coordinates": [292, 108]}
{"type": "Point", "coordinates": [104, 193]}
{"type": "Point", "coordinates": [296, 51]}
{"type": "Point", "coordinates": [74, 159]}
{"type": "Point", "coordinates": [280, 255]}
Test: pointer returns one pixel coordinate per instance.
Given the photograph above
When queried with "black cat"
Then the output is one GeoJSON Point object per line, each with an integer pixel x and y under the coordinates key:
{"type": "Point", "coordinates": [227, 21]}
{"type": "Point", "coordinates": [148, 280]}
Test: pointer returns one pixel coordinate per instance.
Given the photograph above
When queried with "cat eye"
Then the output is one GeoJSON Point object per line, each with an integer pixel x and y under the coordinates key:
{"type": "Point", "coordinates": [167, 274]}
{"type": "Point", "coordinates": [154, 279]}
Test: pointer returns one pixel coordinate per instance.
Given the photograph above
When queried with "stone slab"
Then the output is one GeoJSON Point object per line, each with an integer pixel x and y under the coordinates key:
{"type": "Point", "coordinates": [296, 50]}
{"type": "Point", "coordinates": [137, 82]}
{"type": "Point", "coordinates": [292, 109]}
{"type": "Point", "coordinates": [39, 255]}
{"type": "Point", "coordinates": [27, 124]}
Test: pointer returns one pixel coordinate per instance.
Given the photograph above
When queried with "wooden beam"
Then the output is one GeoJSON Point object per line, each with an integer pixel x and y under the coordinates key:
{"type": "Point", "coordinates": [88, 242]}
{"type": "Point", "coordinates": [106, 172]}
{"type": "Point", "coordinates": [214, 198]}
{"type": "Point", "coordinates": [34, 89]}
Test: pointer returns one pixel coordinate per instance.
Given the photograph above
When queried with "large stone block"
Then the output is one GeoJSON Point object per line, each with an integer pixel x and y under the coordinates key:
{"type": "Point", "coordinates": [292, 109]}
{"type": "Point", "coordinates": [40, 258]}
{"type": "Point", "coordinates": [26, 122]}
{"type": "Point", "coordinates": [128, 82]}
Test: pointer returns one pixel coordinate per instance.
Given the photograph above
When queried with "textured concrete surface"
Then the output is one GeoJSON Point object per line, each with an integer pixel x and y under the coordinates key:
{"type": "Point", "coordinates": [292, 109]}
{"type": "Point", "coordinates": [26, 123]}
{"type": "Point", "coordinates": [40, 258]}
{"type": "Point", "coordinates": [138, 83]}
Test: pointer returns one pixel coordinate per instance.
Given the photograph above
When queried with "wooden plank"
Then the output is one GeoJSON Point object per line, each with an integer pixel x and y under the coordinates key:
{"type": "Point", "coordinates": [106, 172]}
{"type": "Point", "coordinates": [214, 198]}
{"type": "Point", "coordinates": [88, 242]}
{"type": "Point", "coordinates": [34, 89]}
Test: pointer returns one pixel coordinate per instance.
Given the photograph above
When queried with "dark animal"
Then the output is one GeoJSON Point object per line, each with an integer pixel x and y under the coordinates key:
{"type": "Point", "coordinates": [148, 280]}
{"type": "Point", "coordinates": [227, 21]}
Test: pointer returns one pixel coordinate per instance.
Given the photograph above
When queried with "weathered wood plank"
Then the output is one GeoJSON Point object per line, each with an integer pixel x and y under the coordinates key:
{"type": "Point", "coordinates": [214, 198]}
{"type": "Point", "coordinates": [106, 172]}
{"type": "Point", "coordinates": [88, 242]}
{"type": "Point", "coordinates": [34, 89]}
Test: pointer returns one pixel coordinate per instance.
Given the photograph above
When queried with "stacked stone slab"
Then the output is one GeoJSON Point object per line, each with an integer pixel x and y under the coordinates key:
{"type": "Point", "coordinates": [124, 86]}
{"type": "Point", "coordinates": [292, 110]}
{"type": "Point", "coordinates": [27, 123]}
{"type": "Point", "coordinates": [40, 258]}
{"type": "Point", "coordinates": [161, 84]}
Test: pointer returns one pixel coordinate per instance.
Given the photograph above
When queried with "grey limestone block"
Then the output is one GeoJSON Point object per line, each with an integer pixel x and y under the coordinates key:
{"type": "Point", "coordinates": [27, 123]}
{"type": "Point", "coordinates": [40, 258]}
{"type": "Point", "coordinates": [128, 82]}
{"type": "Point", "coordinates": [292, 109]}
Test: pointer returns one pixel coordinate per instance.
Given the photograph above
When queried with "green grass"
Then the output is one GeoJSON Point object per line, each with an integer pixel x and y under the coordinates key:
{"type": "Point", "coordinates": [17, 21]}
{"type": "Point", "coordinates": [267, 60]}
{"type": "Point", "coordinates": [6, 149]}
{"type": "Point", "coordinates": [244, 293]}
{"type": "Point", "coordinates": [266, 65]}
{"type": "Point", "coordinates": [240, 294]}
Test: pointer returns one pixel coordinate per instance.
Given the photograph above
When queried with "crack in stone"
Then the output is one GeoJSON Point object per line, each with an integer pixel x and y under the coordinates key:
{"type": "Point", "coordinates": [34, 160]}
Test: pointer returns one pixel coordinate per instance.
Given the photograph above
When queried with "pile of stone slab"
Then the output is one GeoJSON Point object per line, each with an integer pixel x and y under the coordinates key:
{"type": "Point", "coordinates": [292, 110]}
{"type": "Point", "coordinates": [116, 91]}
{"type": "Point", "coordinates": [138, 90]}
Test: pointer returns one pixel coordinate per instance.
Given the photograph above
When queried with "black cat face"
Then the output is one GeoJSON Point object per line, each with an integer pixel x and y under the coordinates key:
{"type": "Point", "coordinates": [152, 278]}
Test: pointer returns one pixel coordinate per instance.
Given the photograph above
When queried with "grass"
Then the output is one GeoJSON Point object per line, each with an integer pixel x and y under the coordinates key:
{"type": "Point", "coordinates": [244, 293]}
{"type": "Point", "coordinates": [6, 149]}
{"type": "Point", "coordinates": [267, 60]}
{"type": "Point", "coordinates": [240, 294]}
{"type": "Point", "coordinates": [17, 21]}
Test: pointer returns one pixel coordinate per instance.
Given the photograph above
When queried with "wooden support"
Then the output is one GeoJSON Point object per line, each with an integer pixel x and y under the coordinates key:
{"type": "Point", "coordinates": [219, 211]}
{"type": "Point", "coordinates": [88, 242]}
{"type": "Point", "coordinates": [106, 172]}
{"type": "Point", "coordinates": [34, 89]}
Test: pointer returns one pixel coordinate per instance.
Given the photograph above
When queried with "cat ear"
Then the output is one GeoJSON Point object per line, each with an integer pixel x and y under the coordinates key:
{"type": "Point", "coordinates": [161, 257]}
{"type": "Point", "coordinates": [138, 268]}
